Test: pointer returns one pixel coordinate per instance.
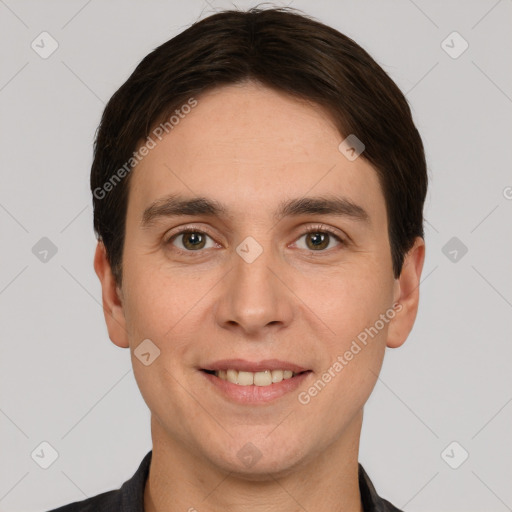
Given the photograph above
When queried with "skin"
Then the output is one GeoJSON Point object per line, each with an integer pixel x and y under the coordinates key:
{"type": "Point", "coordinates": [251, 147]}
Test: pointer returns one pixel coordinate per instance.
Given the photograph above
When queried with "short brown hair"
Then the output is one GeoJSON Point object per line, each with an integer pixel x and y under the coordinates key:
{"type": "Point", "coordinates": [289, 52]}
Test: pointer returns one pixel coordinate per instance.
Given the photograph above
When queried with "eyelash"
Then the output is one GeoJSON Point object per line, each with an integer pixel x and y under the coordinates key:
{"type": "Point", "coordinates": [319, 228]}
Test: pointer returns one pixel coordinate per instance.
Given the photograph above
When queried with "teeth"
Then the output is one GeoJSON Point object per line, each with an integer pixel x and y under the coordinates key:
{"type": "Point", "coordinates": [277, 375]}
{"type": "Point", "coordinates": [231, 376]}
{"type": "Point", "coordinates": [245, 378]}
{"type": "Point", "coordinates": [264, 378]}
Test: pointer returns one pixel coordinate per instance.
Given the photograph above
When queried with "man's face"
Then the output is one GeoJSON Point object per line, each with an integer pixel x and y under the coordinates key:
{"type": "Point", "coordinates": [246, 285]}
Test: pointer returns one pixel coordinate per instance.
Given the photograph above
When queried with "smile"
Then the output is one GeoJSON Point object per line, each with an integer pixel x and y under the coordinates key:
{"type": "Point", "coordinates": [255, 387]}
{"type": "Point", "coordinates": [261, 378]}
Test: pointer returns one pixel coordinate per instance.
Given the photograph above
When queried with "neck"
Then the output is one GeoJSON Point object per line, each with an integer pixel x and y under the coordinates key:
{"type": "Point", "coordinates": [180, 481]}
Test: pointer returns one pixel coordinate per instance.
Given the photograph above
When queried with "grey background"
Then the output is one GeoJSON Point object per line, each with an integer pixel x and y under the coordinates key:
{"type": "Point", "coordinates": [64, 382]}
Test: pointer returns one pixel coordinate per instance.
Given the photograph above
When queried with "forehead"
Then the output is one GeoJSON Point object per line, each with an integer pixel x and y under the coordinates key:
{"type": "Point", "coordinates": [250, 146]}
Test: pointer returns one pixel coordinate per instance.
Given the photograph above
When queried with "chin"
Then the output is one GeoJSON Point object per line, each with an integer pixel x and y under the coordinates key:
{"type": "Point", "coordinates": [257, 460]}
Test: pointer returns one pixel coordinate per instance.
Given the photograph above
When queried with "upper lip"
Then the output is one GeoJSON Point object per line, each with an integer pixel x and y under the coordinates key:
{"type": "Point", "coordinates": [253, 366]}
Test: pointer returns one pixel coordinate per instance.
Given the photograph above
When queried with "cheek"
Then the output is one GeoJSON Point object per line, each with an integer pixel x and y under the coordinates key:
{"type": "Point", "coordinates": [151, 302]}
{"type": "Point", "coordinates": [354, 350]}
{"type": "Point", "coordinates": [168, 308]}
{"type": "Point", "coordinates": [353, 300]}
{"type": "Point", "coordinates": [156, 309]}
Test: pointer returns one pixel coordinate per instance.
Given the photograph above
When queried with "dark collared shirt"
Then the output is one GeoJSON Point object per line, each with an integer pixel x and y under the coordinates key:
{"type": "Point", "coordinates": [130, 497]}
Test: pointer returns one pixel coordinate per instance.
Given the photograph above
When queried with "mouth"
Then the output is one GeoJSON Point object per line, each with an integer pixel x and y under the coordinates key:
{"type": "Point", "coordinates": [260, 378]}
{"type": "Point", "coordinates": [254, 383]}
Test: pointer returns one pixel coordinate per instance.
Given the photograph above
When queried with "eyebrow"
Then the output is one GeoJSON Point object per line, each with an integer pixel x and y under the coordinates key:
{"type": "Point", "coordinates": [175, 205]}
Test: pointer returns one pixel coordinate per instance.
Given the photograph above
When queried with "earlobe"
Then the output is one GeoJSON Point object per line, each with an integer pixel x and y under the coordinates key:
{"type": "Point", "coordinates": [407, 295]}
{"type": "Point", "coordinates": [112, 303]}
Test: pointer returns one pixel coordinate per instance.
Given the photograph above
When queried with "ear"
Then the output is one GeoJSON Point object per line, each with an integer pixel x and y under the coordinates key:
{"type": "Point", "coordinates": [112, 299]}
{"type": "Point", "coordinates": [407, 295]}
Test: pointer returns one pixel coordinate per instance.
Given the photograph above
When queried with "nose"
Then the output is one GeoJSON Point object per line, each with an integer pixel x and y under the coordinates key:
{"type": "Point", "coordinates": [255, 300]}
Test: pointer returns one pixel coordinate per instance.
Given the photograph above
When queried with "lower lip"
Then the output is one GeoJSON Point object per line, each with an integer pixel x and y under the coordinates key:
{"type": "Point", "coordinates": [256, 394]}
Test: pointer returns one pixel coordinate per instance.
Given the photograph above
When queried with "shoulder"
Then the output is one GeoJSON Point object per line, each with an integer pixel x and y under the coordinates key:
{"type": "Point", "coordinates": [128, 498]}
{"type": "Point", "coordinates": [372, 502]}
{"type": "Point", "coordinates": [109, 501]}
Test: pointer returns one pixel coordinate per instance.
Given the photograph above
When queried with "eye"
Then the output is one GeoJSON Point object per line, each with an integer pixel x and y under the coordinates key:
{"type": "Point", "coordinates": [191, 240]}
{"type": "Point", "coordinates": [318, 238]}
